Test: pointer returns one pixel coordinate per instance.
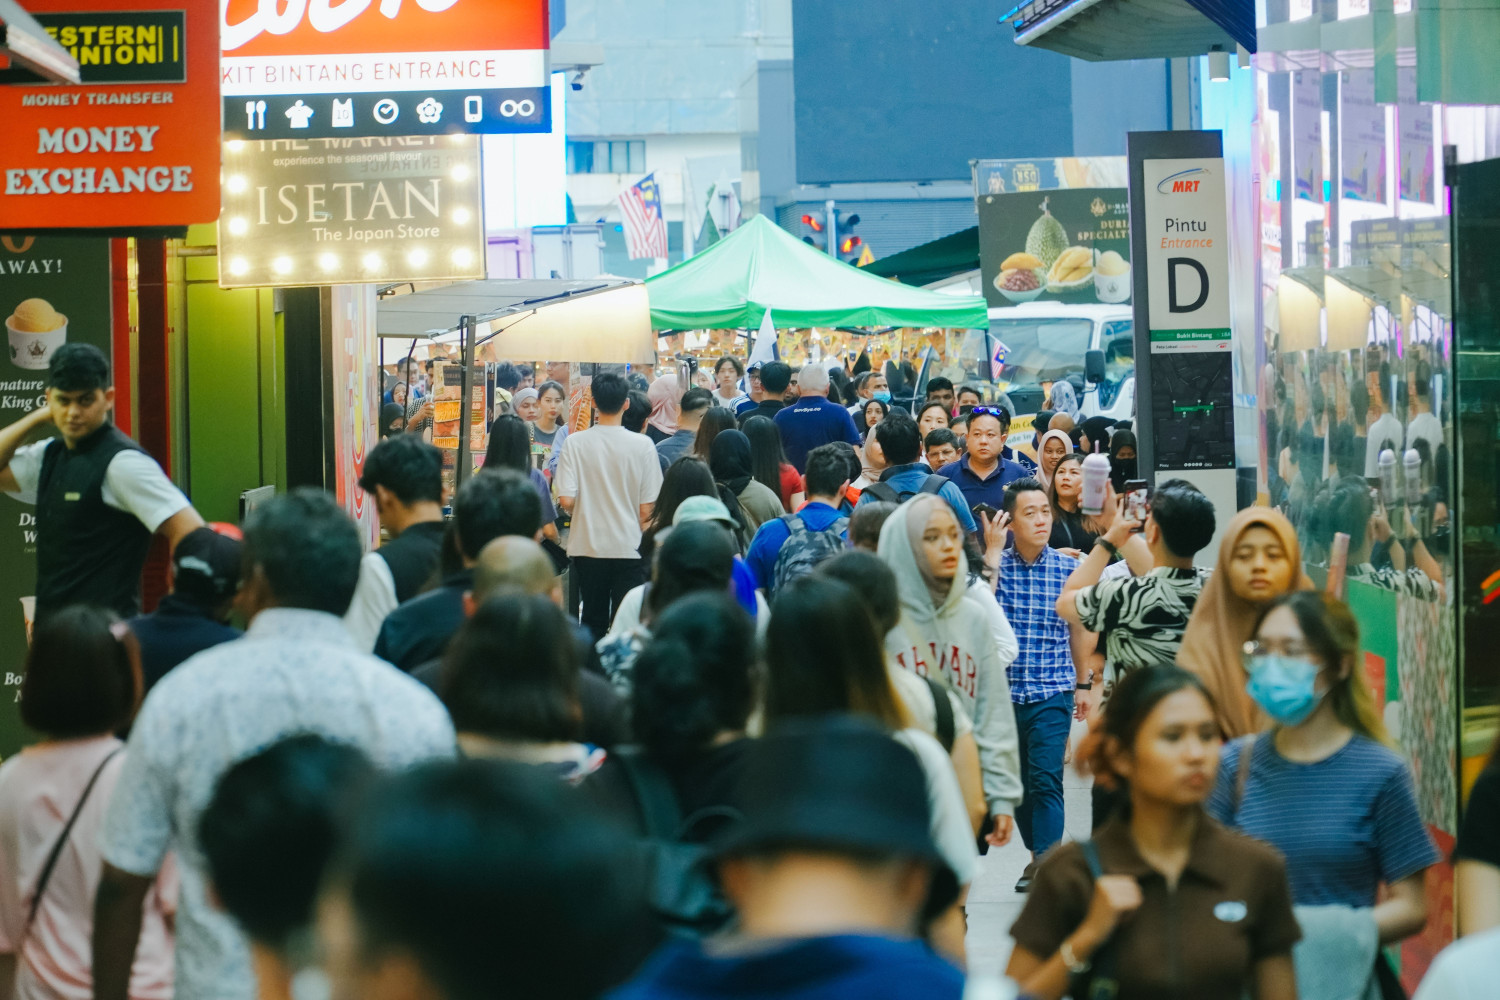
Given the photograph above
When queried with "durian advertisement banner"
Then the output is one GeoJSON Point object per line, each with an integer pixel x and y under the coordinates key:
{"type": "Point", "coordinates": [1068, 246]}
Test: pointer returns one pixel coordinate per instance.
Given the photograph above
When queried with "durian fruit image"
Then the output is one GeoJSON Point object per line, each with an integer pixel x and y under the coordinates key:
{"type": "Point", "coordinates": [1047, 239]}
{"type": "Point", "coordinates": [1021, 262]}
{"type": "Point", "coordinates": [1073, 269]}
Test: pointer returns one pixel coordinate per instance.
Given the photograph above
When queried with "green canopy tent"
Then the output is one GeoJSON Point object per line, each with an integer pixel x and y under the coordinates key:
{"type": "Point", "coordinates": [922, 265]}
{"type": "Point", "coordinates": [760, 266]}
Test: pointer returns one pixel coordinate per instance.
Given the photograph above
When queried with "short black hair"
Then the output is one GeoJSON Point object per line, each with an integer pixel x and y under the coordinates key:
{"type": "Point", "coordinates": [939, 436]}
{"type": "Point", "coordinates": [696, 399]}
{"type": "Point", "coordinates": [526, 372]}
{"type": "Point", "coordinates": [1001, 416]}
{"type": "Point", "coordinates": [511, 672]}
{"type": "Point", "coordinates": [969, 389]}
{"type": "Point", "coordinates": [1184, 515]}
{"type": "Point", "coordinates": [900, 438]}
{"type": "Point", "coordinates": [609, 391]}
{"type": "Point", "coordinates": [307, 548]}
{"type": "Point", "coordinates": [406, 465]}
{"type": "Point", "coordinates": [489, 872]}
{"type": "Point", "coordinates": [81, 678]}
{"type": "Point", "coordinates": [1019, 486]}
{"type": "Point", "coordinates": [272, 826]}
{"type": "Point", "coordinates": [827, 470]}
{"type": "Point", "coordinates": [730, 359]}
{"type": "Point", "coordinates": [867, 520]}
{"type": "Point", "coordinates": [637, 412]}
{"type": "Point", "coordinates": [493, 503]}
{"type": "Point", "coordinates": [775, 376]}
{"type": "Point", "coordinates": [851, 458]}
{"type": "Point", "coordinates": [78, 368]}
{"type": "Point", "coordinates": [507, 376]}
{"type": "Point", "coordinates": [939, 383]}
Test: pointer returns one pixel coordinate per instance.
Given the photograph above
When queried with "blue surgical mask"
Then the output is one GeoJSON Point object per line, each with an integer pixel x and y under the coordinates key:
{"type": "Point", "coordinates": [1285, 687]}
{"type": "Point", "coordinates": [881, 394]}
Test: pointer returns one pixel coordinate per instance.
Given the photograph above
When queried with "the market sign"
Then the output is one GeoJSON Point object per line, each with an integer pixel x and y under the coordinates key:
{"type": "Point", "coordinates": [1187, 255]}
{"type": "Point", "coordinates": [332, 211]}
{"type": "Point", "coordinates": [127, 147]}
{"type": "Point", "coordinates": [303, 69]}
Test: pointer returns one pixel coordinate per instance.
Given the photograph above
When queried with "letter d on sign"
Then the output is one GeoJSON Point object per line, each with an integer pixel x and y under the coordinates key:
{"type": "Point", "coordinates": [1172, 303]}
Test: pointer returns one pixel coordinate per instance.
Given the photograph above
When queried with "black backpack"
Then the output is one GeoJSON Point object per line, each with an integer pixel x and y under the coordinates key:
{"type": "Point", "coordinates": [885, 491]}
{"type": "Point", "coordinates": [681, 888]}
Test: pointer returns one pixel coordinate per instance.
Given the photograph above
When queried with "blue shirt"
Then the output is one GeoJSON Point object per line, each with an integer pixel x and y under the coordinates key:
{"type": "Point", "coordinates": [1022, 459]}
{"type": "Point", "coordinates": [909, 479]}
{"type": "Point", "coordinates": [842, 967]}
{"type": "Point", "coordinates": [675, 447]}
{"type": "Point", "coordinates": [1028, 592]}
{"type": "Point", "coordinates": [767, 543]}
{"type": "Point", "coordinates": [1365, 828]}
{"type": "Point", "coordinates": [989, 489]}
{"type": "Point", "coordinates": [810, 422]}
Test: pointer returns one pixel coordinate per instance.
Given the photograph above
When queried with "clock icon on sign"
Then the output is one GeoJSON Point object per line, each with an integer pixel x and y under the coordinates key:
{"type": "Point", "coordinates": [386, 110]}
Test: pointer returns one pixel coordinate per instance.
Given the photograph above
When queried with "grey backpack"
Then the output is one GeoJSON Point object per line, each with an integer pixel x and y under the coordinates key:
{"type": "Point", "coordinates": [805, 549]}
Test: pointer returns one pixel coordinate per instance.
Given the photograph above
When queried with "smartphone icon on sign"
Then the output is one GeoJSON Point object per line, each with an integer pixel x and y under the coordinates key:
{"type": "Point", "coordinates": [473, 109]}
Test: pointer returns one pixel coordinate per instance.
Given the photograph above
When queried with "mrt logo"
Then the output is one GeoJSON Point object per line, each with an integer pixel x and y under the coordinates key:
{"type": "Point", "coordinates": [1184, 186]}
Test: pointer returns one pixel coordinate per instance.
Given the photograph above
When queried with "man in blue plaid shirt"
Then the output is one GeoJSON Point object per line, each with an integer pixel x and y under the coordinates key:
{"type": "Point", "coordinates": [1051, 678]}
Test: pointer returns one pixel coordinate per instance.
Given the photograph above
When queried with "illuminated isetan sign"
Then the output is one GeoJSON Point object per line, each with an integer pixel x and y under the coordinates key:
{"type": "Point", "coordinates": [334, 211]}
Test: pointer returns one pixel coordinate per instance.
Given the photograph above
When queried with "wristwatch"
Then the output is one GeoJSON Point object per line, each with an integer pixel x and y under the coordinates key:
{"type": "Point", "coordinates": [1076, 967]}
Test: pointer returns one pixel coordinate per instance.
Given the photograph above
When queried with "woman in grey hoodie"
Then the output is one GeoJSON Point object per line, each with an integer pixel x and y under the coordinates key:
{"type": "Point", "coordinates": [952, 629]}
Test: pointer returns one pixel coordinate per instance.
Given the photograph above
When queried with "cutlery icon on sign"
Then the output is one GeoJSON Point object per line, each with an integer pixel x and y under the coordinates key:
{"type": "Point", "coordinates": [255, 115]}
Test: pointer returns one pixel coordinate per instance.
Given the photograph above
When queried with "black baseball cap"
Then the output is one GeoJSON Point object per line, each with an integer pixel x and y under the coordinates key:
{"type": "Point", "coordinates": [206, 566]}
{"type": "Point", "coordinates": [837, 783]}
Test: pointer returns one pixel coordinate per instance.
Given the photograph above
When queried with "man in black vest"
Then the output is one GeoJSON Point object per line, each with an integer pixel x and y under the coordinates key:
{"type": "Point", "coordinates": [99, 496]}
{"type": "Point", "coordinates": [404, 475]}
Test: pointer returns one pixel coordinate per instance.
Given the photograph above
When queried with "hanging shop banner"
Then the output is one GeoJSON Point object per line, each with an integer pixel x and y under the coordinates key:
{"type": "Point", "coordinates": [1307, 134]}
{"type": "Point", "coordinates": [356, 390]}
{"type": "Point", "coordinates": [1362, 138]}
{"type": "Point", "coordinates": [1070, 245]}
{"type": "Point", "coordinates": [1414, 120]}
{"type": "Point", "coordinates": [53, 291]}
{"type": "Point", "coordinates": [340, 211]}
{"type": "Point", "coordinates": [308, 68]}
{"type": "Point", "coordinates": [1187, 255]}
{"type": "Point", "coordinates": [128, 147]}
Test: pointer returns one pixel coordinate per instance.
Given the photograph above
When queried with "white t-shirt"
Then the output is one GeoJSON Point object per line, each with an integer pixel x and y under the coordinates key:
{"type": "Point", "coordinates": [133, 483]}
{"type": "Point", "coordinates": [610, 472]}
{"type": "Point", "coordinates": [1428, 427]}
{"type": "Point", "coordinates": [628, 613]}
{"type": "Point", "coordinates": [374, 598]}
{"type": "Point", "coordinates": [1465, 970]}
{"type": "Point", "coordinates": [951, 831]}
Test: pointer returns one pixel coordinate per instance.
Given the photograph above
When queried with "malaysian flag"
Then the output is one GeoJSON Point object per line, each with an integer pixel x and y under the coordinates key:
{"type": "Point", "coordinates": [645, 227]}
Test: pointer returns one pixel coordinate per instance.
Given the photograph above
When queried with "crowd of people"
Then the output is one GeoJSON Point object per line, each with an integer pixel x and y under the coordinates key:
{"type": "Point", "coordinates": [724, 695]}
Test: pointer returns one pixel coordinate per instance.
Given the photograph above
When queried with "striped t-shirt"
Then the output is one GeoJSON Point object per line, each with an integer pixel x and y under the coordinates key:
{"type": "Point", "coordinates": [1344, 824]}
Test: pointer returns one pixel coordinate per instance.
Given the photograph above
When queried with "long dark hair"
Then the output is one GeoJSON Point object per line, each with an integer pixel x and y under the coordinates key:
{"type": "Point", "coordinates": [510, 445]}
{"type": "Point", "coordinates": [715, 421]}
{"type": "Point", "coordinates": [1130, 705]}
{"type": "Point", "coordinates": [823, 621]}
{"type": "Point", "coordinates": [696, 556]}
{"type": "Point", "coordinates": [686, 477]}
{"type": "Point", "coordinates": [83, 674]}
{"type": "Point", "coordinates": [696, 677]}
{"type": "Point", "coordinates": [864, 413]}
{"type": "Point", "coordinates": [766, 454]}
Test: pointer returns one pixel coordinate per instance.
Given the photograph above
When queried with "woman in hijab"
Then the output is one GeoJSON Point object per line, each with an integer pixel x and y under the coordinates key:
{"type": "Point", "coordinates": [524, 405]}
{"type": "Point", "coordinates": [1094, 435]}
{"type": "Point", "coordinates": [1054, 445]}
{"type": "Point", "coordinates": [392, 419]}
{"type": "Point", "coordinates": [953, 629]}
{"type": "Point", "coordinates": [1259, 560]}
{"type": "Point", "coordinates": [397, 394]}
{"type": "Point", "coordinates": [733, 467]}
{"type": "Point", "coordinates": [1122, 459]}
{"type": "Point", "coordinates": [663, 395]}
{"type": "Point", "coordinates": [1065, 398]}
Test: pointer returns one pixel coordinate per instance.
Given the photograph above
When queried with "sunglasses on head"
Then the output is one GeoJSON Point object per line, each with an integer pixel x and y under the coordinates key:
{"type": "Point", "coordinates": [998, 412]}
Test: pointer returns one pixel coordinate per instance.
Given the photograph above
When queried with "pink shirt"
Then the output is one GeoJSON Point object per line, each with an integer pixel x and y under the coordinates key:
{"type": "Point", "coordinates": [39, 789]}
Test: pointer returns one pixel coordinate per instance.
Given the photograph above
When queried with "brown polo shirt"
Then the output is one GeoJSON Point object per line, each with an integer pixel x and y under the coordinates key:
{"type": "Point", "coordinates": [1230, 909]}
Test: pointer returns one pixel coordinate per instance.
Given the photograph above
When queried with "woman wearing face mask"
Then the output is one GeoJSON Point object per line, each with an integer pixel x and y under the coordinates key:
{"type": "Point", "coordinates": [1054, 445]}
{"type": "Point", "coordinates": [1122, 462]}
{"type": "Point", "coordinates": [1327, 757]}
{"type": "Point", "coordinates": [1170, 904]}
{"type": "Point", "coordinates": [1259, 560]}
{"type": "Point", "coordinates": [1072, 530]}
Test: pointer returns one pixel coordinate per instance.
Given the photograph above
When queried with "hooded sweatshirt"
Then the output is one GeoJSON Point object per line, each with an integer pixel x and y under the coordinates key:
{"type": "Point", "coordinates": [965, 642]}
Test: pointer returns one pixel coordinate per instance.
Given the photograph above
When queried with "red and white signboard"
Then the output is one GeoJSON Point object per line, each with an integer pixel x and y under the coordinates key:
{"type": "Point", "coordinates": [302, 69]}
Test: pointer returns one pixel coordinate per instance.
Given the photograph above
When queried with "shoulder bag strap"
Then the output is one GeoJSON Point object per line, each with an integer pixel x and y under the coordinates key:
{"type": "Point", "coordinates": [1102, 981]}
{"type": "Point", "coordinates": [62, 838]}
{"type": "Point", "coordinates": [942, 707]}
{"type": "Point", "coordinates": [653, 794]}
{"type": "Point", "coordinates": [933, 483]}
{"type": "Point", "coordinates": [884, 492]}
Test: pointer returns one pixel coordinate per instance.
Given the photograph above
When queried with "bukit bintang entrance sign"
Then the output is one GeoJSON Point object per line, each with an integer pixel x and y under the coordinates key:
{"type": "Point", "coordinates": [302, 69]}
{"type": "Point", "coordinates": [334, 211]}
{"type": "Point", "coordinates": [128, 147]}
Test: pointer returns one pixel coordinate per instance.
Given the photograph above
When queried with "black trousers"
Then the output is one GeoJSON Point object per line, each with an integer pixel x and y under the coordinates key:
{"type": "Point", "coordinates": [602, 585]}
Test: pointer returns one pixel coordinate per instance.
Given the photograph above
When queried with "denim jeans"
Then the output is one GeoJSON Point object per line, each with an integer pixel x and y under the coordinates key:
{"type": "Point", "coordinates": [1042, 728]}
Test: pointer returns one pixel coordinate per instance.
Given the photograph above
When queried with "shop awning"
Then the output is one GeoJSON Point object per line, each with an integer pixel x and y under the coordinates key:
{"type": "Point", "coordinates": [922, 265]}
{"type": "Point", "coordinates": [33, 53]}
{"type": "Point", "coordinates": [597, 319]}
{"type": "Point", "coordinates": [760, 266]}
{"type": "Point", "coordinates": [1103, 30]}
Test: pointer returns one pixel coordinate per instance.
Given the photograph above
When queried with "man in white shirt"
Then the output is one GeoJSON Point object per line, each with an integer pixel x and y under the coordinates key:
{"type": "Point", "coordinates": [295, 671]}
{"type": "Point", "coordinates": [607, 481]}
{"type": "Point", "coordinates": [99, 497]}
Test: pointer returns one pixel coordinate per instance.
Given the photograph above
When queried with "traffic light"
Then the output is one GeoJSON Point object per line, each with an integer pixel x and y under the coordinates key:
{"type": "Point", "coordinates": [817, 235]}
{"type": "Point", "coordinates": [850, 245]}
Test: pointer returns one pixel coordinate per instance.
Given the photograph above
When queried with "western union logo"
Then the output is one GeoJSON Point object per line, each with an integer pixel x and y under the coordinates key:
{"type": "Point", "coordinates": [123, 46]}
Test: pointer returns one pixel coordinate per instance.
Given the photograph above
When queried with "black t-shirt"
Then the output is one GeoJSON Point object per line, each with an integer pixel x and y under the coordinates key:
{"type": "Point", "coordinates": [1479, 833]}
{"type": "Point", "coordinates": [1068, 532]}
{"type": "Point", "coordinates": [704, 781]}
